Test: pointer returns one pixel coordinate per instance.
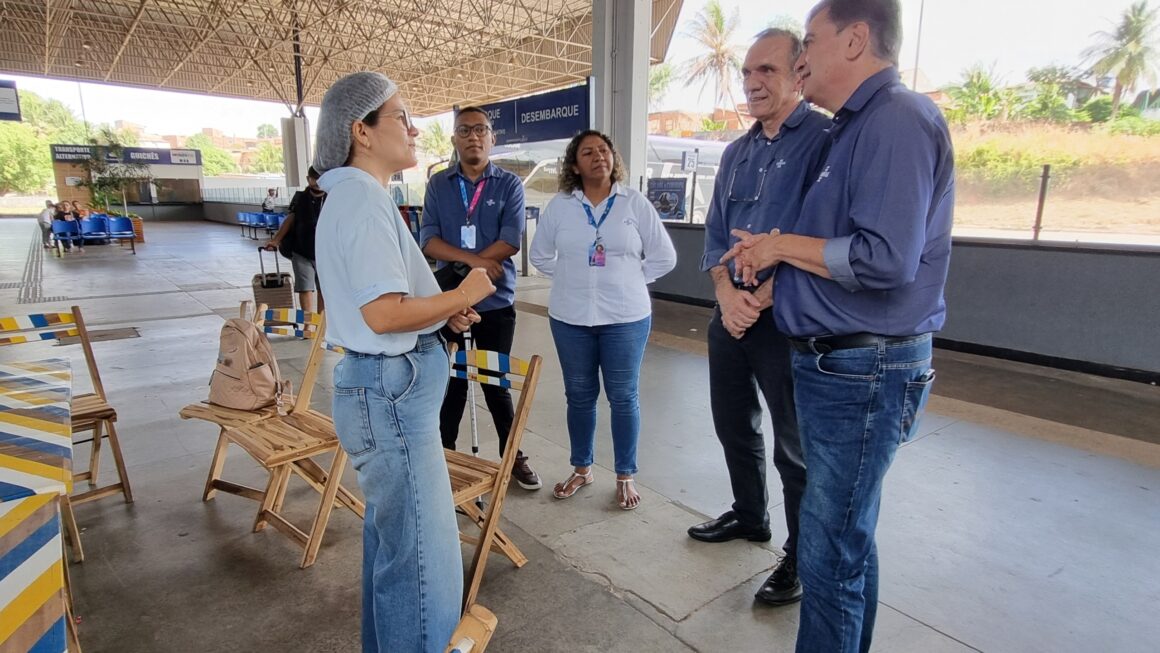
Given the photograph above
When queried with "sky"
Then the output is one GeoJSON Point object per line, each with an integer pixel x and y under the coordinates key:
{"type": "Point", "coordinates": [1010, 35]}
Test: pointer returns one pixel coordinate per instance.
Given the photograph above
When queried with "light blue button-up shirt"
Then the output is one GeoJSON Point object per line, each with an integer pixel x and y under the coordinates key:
{"type": "Point", "coordinates": [364, 251]}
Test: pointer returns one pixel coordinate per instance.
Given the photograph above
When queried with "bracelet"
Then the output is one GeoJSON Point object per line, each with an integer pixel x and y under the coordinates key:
{"type": "Point", "coordinates": [466, 300]}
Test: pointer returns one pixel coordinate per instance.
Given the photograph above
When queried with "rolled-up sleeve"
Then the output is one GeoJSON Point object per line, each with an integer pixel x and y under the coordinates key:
{"type": "Point", "coordinates": [660, 257]}
{"type": "Point", "coordinates": [891, 200]}
{"type": "Point", "coordinates": [430, 227]}
{"type": "Point", "coordinates": [543, 247]}
{"type": "Point", "coordinates": [373, 261]}
{"type": "Point", "coordinates": [716, 226]}
{"type": "Point", "coordinates": [511, 223]}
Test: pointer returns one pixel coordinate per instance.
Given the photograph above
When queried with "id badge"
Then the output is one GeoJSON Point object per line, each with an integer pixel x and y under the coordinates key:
{"type": "Point", "coordinates": [596, 255]}
{"type": "Point", "coordinates": [467, 236]}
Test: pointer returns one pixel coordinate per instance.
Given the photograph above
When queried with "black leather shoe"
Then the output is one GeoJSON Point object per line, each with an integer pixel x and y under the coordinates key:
{"type": "Point", "coordinates": [782, 587]}
{"type": "Point", "coordinates": [725, 528]}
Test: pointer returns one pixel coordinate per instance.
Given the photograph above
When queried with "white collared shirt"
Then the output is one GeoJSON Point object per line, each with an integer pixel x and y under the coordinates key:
{"type": "Point", "coordinates": [638, 251]}
{"type": "Point", "coordinates": [364, 250]}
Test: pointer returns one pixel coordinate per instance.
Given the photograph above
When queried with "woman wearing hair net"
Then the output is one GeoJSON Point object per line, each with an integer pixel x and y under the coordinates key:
{"type": "Point", "coordinates": [385, 309]}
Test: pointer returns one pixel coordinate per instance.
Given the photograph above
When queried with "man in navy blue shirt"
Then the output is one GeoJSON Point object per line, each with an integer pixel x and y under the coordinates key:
{"type": "Point", "coordinates": [762, 179]}
{"type": "Point", "coordinates": [473, 215]}
{"type": "Point", "coordinates": [859, 291]}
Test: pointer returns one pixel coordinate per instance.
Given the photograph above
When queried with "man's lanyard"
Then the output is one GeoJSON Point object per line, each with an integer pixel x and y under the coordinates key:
{"type": "Point", "coordinates": [604, 216]}
{"type": "Point", "coordinates": [474, 200]}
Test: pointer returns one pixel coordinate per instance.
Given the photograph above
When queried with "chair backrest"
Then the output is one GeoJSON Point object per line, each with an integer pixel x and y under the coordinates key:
{"type": "Point", "coordinates": [297, 324]}
{"type": "Point", "coordinates": [119, 225]}
{"type": "Point", "coordinates": [65, 227]}
{"type": "Point", "coordinates": [493, 368]}
{"type": "Point", "coordinates": [93, 225]}
{"type": "Point", "coordinates": [41, 327]}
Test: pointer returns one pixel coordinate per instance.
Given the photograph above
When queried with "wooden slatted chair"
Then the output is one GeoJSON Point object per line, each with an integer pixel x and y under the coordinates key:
{"type": "Point", "coordinates": [473, 477]}
{"type": "Point", "coordinates": [474, 631]}
{"type": "Point", "coordinates": [226, 418]}
{"type": "Point", "coordinates": [286, 444]}
{"type": "Point", "coordinates": [91, 412]}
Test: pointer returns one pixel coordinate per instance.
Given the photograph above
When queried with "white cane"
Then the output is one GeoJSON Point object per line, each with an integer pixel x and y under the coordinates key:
{"type": "Point", "coordinates": [471, 399]}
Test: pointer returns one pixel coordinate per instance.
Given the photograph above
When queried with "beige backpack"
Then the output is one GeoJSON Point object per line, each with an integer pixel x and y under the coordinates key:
{"type": "Point", "coordinates": [246, 376]}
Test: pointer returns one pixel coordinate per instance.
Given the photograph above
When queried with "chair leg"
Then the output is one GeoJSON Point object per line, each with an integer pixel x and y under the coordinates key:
{"type": "Point", "coordinates": [325, 507]}
{"type": "Point", "coordinates": [119, 461]}
{"type": "Point", "coordinates": [216, 465]}
{"type": "Point", "coordinates": [95, 454]}
{"type": "Point", "coordinates": [70, 525]}
{"type": "Point", "coordinates": [500, 543]}
{"type": "Point", "coordinates": [279, 477]}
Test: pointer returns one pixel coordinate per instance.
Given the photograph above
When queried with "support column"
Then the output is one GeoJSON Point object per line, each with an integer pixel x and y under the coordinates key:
{"type": "Point", "coordinates": [621, 37]}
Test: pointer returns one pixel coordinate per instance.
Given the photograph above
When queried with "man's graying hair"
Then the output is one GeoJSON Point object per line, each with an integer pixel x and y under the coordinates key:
{"type": "Point", "coordinates": [795, 41]}
{"type": "Point", "coordinates": [883, 16]}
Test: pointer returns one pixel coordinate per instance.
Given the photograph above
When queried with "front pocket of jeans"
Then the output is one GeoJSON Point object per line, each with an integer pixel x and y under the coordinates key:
{"type": "Point", "coordinates": [917, 394]}
{"type": "Point", "coordinates": [399, 375]}
{"type": "Point", "coordinates": [352, 420]}
{"type": "Point", "coordinates": [860, 364]}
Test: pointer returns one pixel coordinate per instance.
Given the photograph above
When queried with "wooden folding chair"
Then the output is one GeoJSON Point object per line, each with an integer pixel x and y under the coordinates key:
{"type": "Point", "coordinates": [474, 631]}
{"type": "Point", "coordinates": [472, 477]}
{"type": "Point", "coordinates": [285, 444]}
{"type": "Point", "coordinates": [91, 411]}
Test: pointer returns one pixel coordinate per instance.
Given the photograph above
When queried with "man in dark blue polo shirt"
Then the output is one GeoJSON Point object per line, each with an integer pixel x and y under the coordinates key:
{"type": "Point", "coordinates": [473, 215]}
{"type": "Point", "coordinates": [762, 179]}
{"type": "Point", "coordinates": [859, 291]}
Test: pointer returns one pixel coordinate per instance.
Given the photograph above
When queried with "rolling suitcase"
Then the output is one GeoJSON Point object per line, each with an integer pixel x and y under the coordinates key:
{"type": "Point", "coordinates": [273, 289]}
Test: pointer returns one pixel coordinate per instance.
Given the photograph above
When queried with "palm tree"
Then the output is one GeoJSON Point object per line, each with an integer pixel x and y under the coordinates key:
{"type": "Point", "coordinates": [660, 78]}
{"type": "Point", "coordinates": [435, 140]}
{"type": "Point", "coordinates": [1129, 53]}
{"type": "Point", "coordinates": [721, 61]}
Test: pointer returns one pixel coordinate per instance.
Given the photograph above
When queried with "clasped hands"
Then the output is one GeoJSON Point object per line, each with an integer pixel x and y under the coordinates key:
{"type": "Point", "coordinates": [753, 253]}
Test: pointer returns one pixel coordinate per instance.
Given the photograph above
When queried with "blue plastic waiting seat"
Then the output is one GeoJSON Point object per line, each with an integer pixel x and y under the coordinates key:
{"type": "Point", "coordinates": [66, 232]}
{"type": "Point", "coordinates": [121, 229]}
{"type": "Point", "coordinates": [94, 228]}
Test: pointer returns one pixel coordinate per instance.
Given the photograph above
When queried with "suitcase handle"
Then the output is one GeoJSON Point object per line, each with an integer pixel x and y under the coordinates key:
{"type": "Point", "coordinates": [262, 261]}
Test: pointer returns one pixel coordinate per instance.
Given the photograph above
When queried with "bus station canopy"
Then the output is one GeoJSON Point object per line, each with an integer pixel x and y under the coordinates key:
{"type": "Point", "coordinates": [441, 52]}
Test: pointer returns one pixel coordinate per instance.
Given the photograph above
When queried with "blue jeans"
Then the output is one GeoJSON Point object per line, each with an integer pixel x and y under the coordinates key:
{"type": "Point", "coordinates": [386, 413]}
{"type": "Point", "coordinates": [855, 407]}
{"type": "Point", "coordinates": [614, 351]}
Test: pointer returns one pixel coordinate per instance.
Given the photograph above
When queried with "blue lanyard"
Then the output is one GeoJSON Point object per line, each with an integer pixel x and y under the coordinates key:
{"type": "Point", "coordinates": [474, 200]}
{"type": "Point", "coordinates": [604, 216]}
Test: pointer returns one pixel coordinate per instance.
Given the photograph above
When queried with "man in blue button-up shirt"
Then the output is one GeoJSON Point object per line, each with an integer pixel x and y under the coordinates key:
{"type": "Point", "coordinates": [473, 215]}
{"type": "Point", "coordinates": [760, 185]}
{"type": "Point", "coordinates": [860, 290]}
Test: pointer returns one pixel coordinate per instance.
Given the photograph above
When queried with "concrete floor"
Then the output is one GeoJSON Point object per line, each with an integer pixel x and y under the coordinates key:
{"type": "Point", "coordinates": [1024, 519]}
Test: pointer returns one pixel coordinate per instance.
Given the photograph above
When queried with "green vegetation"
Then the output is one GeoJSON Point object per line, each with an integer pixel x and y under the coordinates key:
{"type": "Point", "coordinates": [720, 62]}
{"type": "Point", "coordinates": [266, 130]}
{"type": "Point", "coordinates": [660, 78]}
{"type": "Point", "coordinates": [214, 160]}
{"type": "Point", "coordinates": [436, 141]}
{"type": "Point", "coordinates": [268, 159]}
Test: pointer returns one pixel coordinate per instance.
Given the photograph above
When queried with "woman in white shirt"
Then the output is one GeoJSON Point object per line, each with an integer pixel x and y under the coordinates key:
{"type": "Point", "coordinates": [385, 309]}
{"type": "Point", "coordinates": [601, 243]}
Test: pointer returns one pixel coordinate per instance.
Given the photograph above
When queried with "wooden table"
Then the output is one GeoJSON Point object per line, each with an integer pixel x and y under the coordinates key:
{"type": "Point", "coordinates": [35, 481]}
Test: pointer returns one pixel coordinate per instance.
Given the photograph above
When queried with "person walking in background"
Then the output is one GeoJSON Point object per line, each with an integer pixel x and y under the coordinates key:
{"type": "Point", "coordinates": [268, 201]}
{"type": "Point", "coordinates": [44, 221]}
{"type": "Point", "coordinates": [859, 290]}
{"type": "Point", "coordinates": [602, 243]}
{"type": "Point", "coordinates": [296, 235]}
{"type": "Point", "coordinates": [763, 179]}
{"type": "Point", "coordinates": [385, 310]}
{"type": "Point", "coordinates": [473, 216]}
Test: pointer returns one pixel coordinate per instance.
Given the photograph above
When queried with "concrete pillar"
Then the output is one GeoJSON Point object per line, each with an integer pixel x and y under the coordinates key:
{"type": "Point", "coordinates": [621, 35]}
{"type": "Point", "coordinates": [295, 150]}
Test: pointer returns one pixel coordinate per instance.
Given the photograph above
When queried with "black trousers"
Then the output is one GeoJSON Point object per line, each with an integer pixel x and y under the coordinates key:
{"type": "Point", "coordinates": [495, 332]}
{"type": "Point", "coordinates": [737, 370]}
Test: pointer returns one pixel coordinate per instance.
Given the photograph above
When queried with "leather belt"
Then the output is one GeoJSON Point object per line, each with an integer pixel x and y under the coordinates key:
{"type": "Point", "coordinates": [827, 344]}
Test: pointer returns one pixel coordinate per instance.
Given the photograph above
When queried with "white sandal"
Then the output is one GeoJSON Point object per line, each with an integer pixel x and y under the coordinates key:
{"type": "Point", "coordinates": [561, 489]}
{"type": "Point", "coordinates": [622, 493]}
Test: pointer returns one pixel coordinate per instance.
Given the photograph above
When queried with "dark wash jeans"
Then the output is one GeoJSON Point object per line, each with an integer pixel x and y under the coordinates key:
{"type": "Point", "coordinates": [495, 332]}
{"type": "Point", "coordinates": [855, 407]}
{"type": "Point", "coordinates": [737, 370]}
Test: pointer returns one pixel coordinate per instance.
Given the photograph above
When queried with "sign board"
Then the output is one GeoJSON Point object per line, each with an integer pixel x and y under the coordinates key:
{"type": "Point", "coordinates": [544, 117]}
{"type": "Point", "coordinates": [9, 101]}
{"type": "Point", "coordinates": [689, 161]}
{"type": "Point", "coordinates": [532, 213]}
{"type": "Point", "coordinates": [145, 155]}
{"type": "Point", "coordinates": [667, 195]}
{"type": "Point", "coordinates": [72, 181]}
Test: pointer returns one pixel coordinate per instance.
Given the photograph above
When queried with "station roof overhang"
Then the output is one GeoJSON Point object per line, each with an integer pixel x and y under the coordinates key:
{"type": "Point", "coordinates": [441, 52]}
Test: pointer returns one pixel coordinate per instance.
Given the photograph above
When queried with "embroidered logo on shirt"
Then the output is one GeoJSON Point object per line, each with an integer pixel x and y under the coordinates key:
{"type": "Point", "coordinates": [780, 163]}
{"type": "Point", "coordinates": [825, 173]}
{"type": "Point", "coordinates": [491, 202]}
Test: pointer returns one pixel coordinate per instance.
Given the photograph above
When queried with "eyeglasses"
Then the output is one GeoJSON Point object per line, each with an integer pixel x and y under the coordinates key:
{"type": "Point", "coordinates": [404, 117]}
{"type": "Point", "coordinates": [745, 197]}
{"type": "Point", "coordinates": [463, 131]}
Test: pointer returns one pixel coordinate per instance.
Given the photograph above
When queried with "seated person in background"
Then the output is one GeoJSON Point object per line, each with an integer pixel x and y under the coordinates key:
{"type": "Point", "coordinates": [64, 211]}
